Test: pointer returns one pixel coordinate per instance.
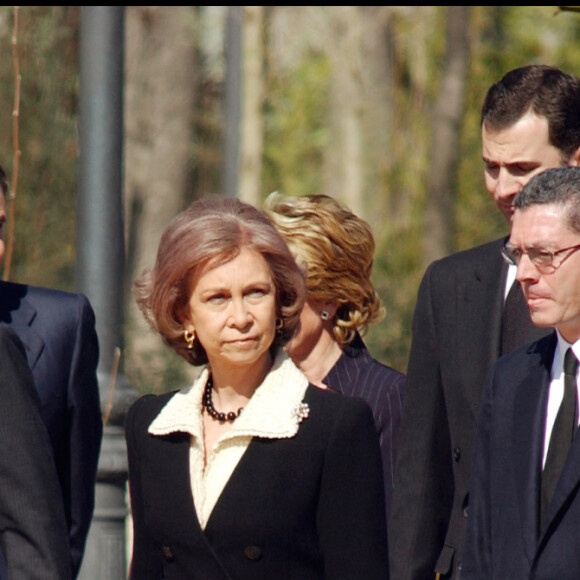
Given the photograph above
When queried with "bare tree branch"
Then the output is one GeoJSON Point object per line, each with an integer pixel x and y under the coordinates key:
{"type": "Point", "coordinates": [16, 150]}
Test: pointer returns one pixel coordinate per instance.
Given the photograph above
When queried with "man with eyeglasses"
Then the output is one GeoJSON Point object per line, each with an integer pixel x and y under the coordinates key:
{"type": "Point", "coordinates": [530, 121]}
{"type": "Point", "coordinates": [541, 258]}
{"type": "Point", "coordinates": [524, 518]}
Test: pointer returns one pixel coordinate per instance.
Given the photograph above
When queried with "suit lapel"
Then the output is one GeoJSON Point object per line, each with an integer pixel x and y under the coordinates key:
{"type": "Point", "coordinates": [17, 310]}
{"type": "Point", "coordinates": [171, 453]}
{"type": "Point", "coordinates": [567, 484]}
{"type": "Point", "coordinates": [528, 429]}
{"type": "Point", "coordinates": [344, 376]}
{"type": "Point", "coordinates": [479, 309]}
{"type": "Point", "coordinates": [22, 322]}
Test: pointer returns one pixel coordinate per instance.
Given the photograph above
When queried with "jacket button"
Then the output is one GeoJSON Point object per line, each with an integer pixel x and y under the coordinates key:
{"type": "Point", "coordinates": [167, 553]}
{"type": "Point", "coordinates": [253, 553]}
{"type": "Point", "coordinates": [456, 454]}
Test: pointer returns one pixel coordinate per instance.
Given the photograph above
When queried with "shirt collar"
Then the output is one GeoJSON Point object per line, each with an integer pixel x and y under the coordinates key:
{"type": "Point", "coordinates": [274, 411]}
{"type": "Point", "coordinates": [560, 353]}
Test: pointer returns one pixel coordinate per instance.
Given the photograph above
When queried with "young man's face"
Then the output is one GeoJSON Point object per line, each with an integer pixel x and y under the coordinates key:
{"type": "Point", "coordinates": [513, 156]}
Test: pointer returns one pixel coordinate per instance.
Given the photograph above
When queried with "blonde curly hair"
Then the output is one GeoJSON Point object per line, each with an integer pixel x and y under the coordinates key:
{"type": "Point", "coordinates": [335, 248]}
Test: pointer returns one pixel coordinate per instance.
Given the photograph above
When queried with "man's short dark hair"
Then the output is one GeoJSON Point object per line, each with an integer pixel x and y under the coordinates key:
{"type": "Point", "coordinates": [544, 90]}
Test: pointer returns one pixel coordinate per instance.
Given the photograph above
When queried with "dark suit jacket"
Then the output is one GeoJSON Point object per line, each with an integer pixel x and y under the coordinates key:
{"type": "Point", "coordinates": [58, 331]}
{"type": "Point", "coordinates": [357, 374]}
{"type": "Point", "coordinates": [307, 507]}
{"type": "Point", "coordinates": [456, 336]}
{"type": "Point", "coordinates": [503, 538]}
{"type": "Point", "coordinates": [33, 530]}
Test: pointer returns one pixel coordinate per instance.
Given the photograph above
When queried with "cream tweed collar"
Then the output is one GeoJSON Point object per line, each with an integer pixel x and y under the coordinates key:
{"type": "Point", "coordinates": [274, 411]}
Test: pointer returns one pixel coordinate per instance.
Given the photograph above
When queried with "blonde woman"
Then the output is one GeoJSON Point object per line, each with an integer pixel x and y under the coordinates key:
{"type": "Point", "coordinates": [335, 249]}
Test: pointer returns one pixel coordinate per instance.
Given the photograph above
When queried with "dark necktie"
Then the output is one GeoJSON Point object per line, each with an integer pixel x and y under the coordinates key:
{"type": "Point", "coordinates": [516, 320]}
{"type": "Point", "coordinates": [562, 433]}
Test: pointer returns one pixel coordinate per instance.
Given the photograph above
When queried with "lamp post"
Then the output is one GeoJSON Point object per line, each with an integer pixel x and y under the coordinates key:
{"type": "Point", "coordinates": [100, 263]}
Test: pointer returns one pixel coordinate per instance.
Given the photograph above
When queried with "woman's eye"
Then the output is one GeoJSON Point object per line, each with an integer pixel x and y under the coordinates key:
{"type": "Point", "coordinates": [257, 292]}
{"type": "Point", "coordinates": [217, 298]}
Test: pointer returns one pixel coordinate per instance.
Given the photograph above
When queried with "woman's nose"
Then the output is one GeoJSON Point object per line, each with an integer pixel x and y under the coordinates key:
{"type": "Point", "coordinates": [240, 314]}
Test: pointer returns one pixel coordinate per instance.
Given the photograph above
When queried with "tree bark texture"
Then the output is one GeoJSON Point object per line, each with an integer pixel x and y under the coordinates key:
{"type": "Point", "coordinates": [159, 104]}
{"type": "Point", "coordinates": [445, 147]}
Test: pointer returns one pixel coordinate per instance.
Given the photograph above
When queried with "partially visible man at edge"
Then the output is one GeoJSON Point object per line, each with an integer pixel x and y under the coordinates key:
{"type": "Point", "coordinates": [530, 121]}
{"type": "Point", "coordinates": [58, 332]}
{"type": "Point", "coordinates": [33, 531]}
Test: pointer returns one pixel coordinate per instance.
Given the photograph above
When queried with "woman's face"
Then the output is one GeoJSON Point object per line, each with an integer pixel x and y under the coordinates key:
{"type": "Point", "coordinates": [309, 332]}
{"type": "Point", "coordinates": [232, 309]}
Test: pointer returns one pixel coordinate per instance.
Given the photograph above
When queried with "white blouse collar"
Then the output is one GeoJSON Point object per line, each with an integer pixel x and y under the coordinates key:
{"type": "Point", "coordinates": [274, 411]}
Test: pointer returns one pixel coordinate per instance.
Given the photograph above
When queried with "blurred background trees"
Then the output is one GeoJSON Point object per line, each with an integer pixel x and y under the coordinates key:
{"type": "Point", "coordinates": [377, 106]}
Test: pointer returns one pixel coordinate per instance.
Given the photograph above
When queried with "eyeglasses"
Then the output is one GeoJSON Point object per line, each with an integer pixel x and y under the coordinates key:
{"type": "Point", "coordinates": [543, 260]}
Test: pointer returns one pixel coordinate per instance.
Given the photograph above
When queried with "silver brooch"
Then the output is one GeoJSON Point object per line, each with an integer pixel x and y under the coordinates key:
{"type": "Point", "coordinates": [301, 412]}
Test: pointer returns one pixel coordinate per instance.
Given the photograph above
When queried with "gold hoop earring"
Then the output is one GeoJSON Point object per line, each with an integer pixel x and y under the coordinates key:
{"type": "Point", "coordinates": [189, 337]}
{"type": "Point", "coordinates": [279, 324]}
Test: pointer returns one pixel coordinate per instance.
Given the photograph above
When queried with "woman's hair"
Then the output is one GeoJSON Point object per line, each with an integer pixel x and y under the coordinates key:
{"type": "Point", "coordinates": [335, 248]}
{"type": "Point", "coordinates": [212, 232]}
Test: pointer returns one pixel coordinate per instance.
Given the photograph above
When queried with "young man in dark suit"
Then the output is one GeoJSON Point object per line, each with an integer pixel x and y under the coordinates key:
{"type": "Point", "coordinates": [530, 121]}
{"type": "Point", "coordinates": [33, 529]}
{"type": "Point", "coordinates": [58, 332]}
{"type": "Point", "coordinates": [524, 516]}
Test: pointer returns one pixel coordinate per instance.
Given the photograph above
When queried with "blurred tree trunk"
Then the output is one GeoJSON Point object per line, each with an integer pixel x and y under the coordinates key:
{"type": "Point", "coordinates": [377, 114]}
{"type": "Point", "coordinates": [360, 107]}
{"type": "Point", "coordinates": [233, 46]}
{"type": "Point", "coordinates": [159, 104]}
{"type": "Point", "coordinates": [445, 147]}
{"type": "Point", "coordinates": [252, 134]}
{"type": "Point", "coordinates": [358, 113]}
{"type": "Point", "coordinates": [344, 166]}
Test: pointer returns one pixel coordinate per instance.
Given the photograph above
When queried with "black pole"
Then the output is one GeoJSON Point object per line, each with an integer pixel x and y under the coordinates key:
{"type": "Point", "coordinates": [100, 263]}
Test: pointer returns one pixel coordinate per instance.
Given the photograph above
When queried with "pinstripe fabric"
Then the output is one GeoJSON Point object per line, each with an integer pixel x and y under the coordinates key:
{"type": "Point", "coordinates": [358, 374]}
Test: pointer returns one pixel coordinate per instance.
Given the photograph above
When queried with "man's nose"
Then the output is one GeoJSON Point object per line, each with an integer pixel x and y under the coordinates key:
{"type": "Point", "coordinates": [526, 269]}
{"type": "Point", "coordinates": [507, 184]}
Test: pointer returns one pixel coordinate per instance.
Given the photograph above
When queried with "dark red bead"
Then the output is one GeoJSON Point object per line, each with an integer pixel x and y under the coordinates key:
{"type": "Point", "coordinates": [207, 403]}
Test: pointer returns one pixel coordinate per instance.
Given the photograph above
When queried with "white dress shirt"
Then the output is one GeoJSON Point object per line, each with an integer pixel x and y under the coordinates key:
{"type": "Point", "coordinates": [556, 389]}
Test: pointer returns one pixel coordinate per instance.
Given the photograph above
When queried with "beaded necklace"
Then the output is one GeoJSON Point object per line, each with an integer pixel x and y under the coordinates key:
{"type": "Point", "coordinates": [216, 415]}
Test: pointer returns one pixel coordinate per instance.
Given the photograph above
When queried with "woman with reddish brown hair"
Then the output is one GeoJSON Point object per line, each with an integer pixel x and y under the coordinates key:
{"type": "Point", "coordinates": [249, 472]}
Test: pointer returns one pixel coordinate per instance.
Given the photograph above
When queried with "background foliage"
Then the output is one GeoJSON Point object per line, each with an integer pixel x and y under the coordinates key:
{"type": "Point", "coordinates": [300, 86]}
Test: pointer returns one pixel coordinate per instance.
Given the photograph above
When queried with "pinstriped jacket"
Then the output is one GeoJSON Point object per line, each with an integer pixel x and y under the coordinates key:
{"type": "Point", "coordinates": [357, 374]}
